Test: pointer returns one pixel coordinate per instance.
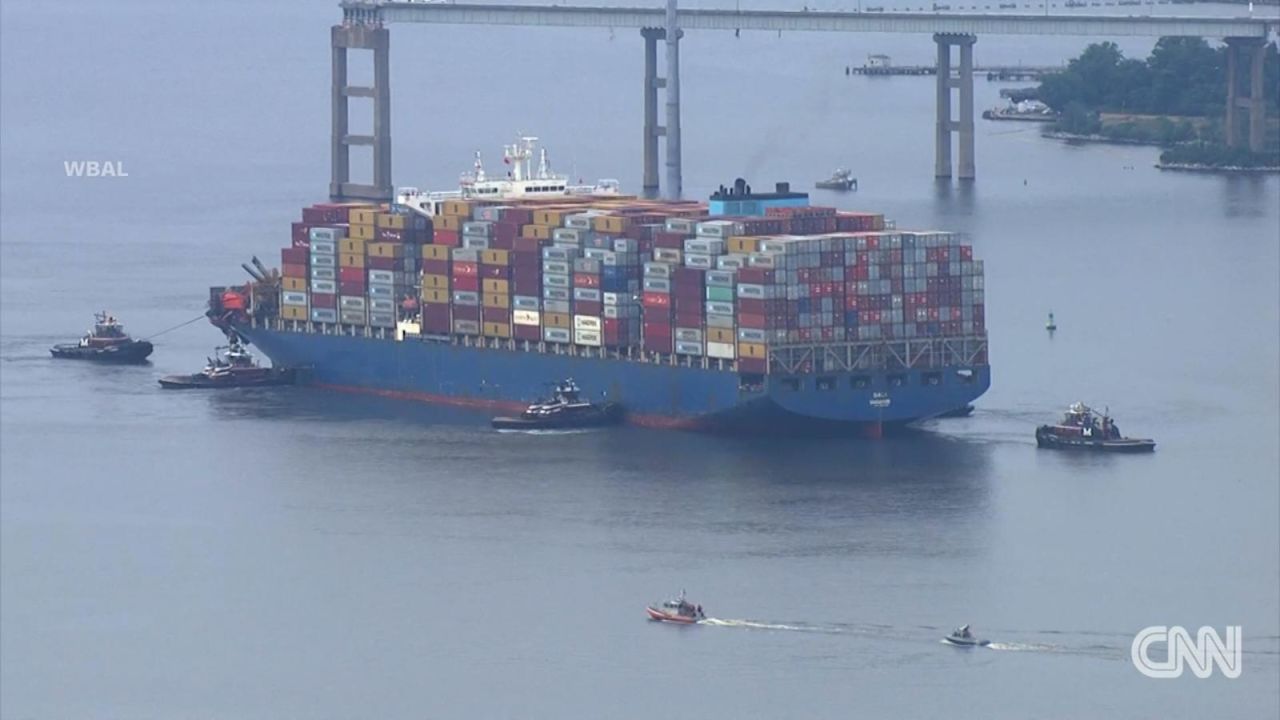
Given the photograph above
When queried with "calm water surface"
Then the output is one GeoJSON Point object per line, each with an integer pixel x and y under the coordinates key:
{"type": "Point", "coordinates": [301, 554]}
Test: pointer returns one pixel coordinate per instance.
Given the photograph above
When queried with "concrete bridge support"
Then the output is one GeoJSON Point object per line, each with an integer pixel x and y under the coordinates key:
{"type": "Point", "coordinates": [963, 80]}
{"type": "Point", "coordinates": [652, 130]}
{"type": "Point", "coordinates": [1249, 107]}
{"type": "Point", "coordinates": [360, 36]}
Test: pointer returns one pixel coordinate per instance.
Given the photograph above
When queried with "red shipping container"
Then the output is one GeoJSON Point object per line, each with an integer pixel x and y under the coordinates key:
{"type": "Point", "coordinates": [584, 280]}
{"type": "Point", "coordinates": [688, 277]}
{"type": "Point", "coordinates": [658, 344]}
{"type": "Point", "coordinates": [588, 307]}
{"type": "Point", "coordinates": [495, 272]}
{"type": "Point", "coordinates": [466, 312]}
{"type": "Point", "coordinates": [496, 315]}
{"type": "Point", "coordinates": [526, 275]}
{"type": "Point", "coordinates": [756, 276]}
{"type": "Point", "coordinates": [468, 283]}
{"type": "Point", "coordinates": [391, 235]}
{"type": "Point", "coordinates": [501, 243]}
{"type": "Point", "coordinates": [324, 300]}
{"type": "Point", "coordinates": [655, 300]}
{"type": "Point", "coordinates": [526, 261]}
{"type": "Point", "coordinates": [669, 240]}
{"type": "Point", "coordinates": [526, 286]}
{"type": "Point", "coordinates": [748, 320]}
{"type": "Point", "coordinates": [350, 274]}
{"type": "Point", "coordinates": [688, 319]}
{"type": "Point", "coordinates": [448, 238]}
{"type": "Point", "coordinates": [301, 234]}
{"type": "Point", "coordinates": [435, 267]}
{"type": "Point", "coordinates": [351, 287]}
{"type": "Point", "coordinates": [294, 271]}
{"type": "Point", "coordinates": [384, 263]}
{"type": "Point", "coordinates": [294, 256]}
{"type": "Point", "coordinates": [752, 306]}
{"type": "Point", "coordinates": [752, 365]}
{"type": "Point", "coordinates": [465, 269]}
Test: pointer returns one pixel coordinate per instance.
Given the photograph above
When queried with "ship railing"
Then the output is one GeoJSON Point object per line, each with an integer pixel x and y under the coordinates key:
{"type": "Point", "coordinates": [793, 359]}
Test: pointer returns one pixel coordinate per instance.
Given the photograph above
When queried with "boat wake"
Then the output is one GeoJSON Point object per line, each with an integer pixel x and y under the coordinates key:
{"type": "Point", "coordinates": [754, 625]}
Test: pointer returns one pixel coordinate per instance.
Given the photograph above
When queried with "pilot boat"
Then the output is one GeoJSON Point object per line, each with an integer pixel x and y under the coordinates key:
{"type": "Point", "coordinates": [565, 410]}
{"type": "Point", "coordinates": [231, 366]}
{"type": "Point", "coordinates": [963, 637]}
{"type": "Point", "coordinates": [1083, 429]}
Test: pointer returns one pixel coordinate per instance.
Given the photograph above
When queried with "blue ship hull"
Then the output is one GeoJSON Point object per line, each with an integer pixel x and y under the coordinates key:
{"type": "Point", "coordinates": [652, 394]}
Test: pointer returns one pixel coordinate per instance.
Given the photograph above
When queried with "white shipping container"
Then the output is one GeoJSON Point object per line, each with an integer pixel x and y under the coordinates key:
{"type": "Point", "coordinates": [556, 267]}
{"type": "Point", "coordinates": [297, 299]}
{"type": "Point", "coordinates": [466, 327]}
{"type": "Point", "coordinates": [324, 247]}
{"type": "Point", "coordinates": [471, 242]}
{"type": "Point", "coordinates": [381, 305]}
{"type": "Point", "coordinates": [352, 302]}
{"type": "Point", "coordinates": [587, 294]}
{"type": "Point", "coordinates": [720, 321]}
{"type": "Point", "coordinates": [526, 317]}
{"type": "Point", "coordinates": [382, 319]}
{"type": "Point", "coordinates": [657, 270]}
{"type": "Point", "coordinates": [352, 317]}
{"type": "Point", "coordinates": [699, 261]}
{"type": "Point", "coordinates": [525, 302]}
{"type": "Point", "coordinates": [324, 315]}
{"type": "Point", "coordinates": [587, 337]}
{"type": "Point", "coordinates": [719, 308]}
{"type": "Point", "coordinates": [688, 334]}
{"type": "Point", "coordinates": [324, 287]}
{"type": "Point", "coordinates": [386, 277]}
{"type": "Point", "coordinates": [329, 235]}
{"type": "Point", "coordinates": [688, 348]}
{"type": "Point", "coordinates": [586, 322]}
{"type": "Point", "coordinates": [557, 293]}
{"type": "Point", "coordinates": [324, 261]}
{"type": "Point", "coordinates": [726, 351]}
{"type": "Point", "coordinates": [751, 335]}
{"type": "Point", "coordinates": [563, 307]}
{"type": "Point", "coordinates": [667, 255]}
{"type": "Point", "coordinates": [382, 291]}
{"type": "Point", "coordinates": [557, 335]}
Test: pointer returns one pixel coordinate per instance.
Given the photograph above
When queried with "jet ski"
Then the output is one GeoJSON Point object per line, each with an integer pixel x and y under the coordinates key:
{"type": "Point", "coordinates": [962, 637]}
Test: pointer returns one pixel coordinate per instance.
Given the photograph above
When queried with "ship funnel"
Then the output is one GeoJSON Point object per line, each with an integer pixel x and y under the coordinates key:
{"type": "Point", "coordinates": [739, 187]}
{"type": "Point", "coordinates": [783, 187]}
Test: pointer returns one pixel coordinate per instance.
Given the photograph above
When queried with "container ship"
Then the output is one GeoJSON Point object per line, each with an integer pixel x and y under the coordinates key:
{"type": "Point", "coordinates": [752, 311]}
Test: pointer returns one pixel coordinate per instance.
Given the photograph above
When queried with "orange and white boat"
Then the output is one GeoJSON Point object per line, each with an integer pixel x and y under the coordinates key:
{"type": "Point", "coordinates": [678, 610]}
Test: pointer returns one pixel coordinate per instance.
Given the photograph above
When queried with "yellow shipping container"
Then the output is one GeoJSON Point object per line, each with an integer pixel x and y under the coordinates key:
{"type": "Point", "coordinates": [293, 312]}
{"type": "Point", "coordinates": [495, 257]}
{"type": "Point", "coordinates": [435, 282]}
{"type": "Point", "coordinates": [362, 216]}
{"type": "Point", "coordinates": [351, 246]}
{"type": "Point", "coordinates": [498, 330]}
{"type": "Point", "coordinates": [361, 232]}
{"type": "Point", "coordinates": [295, 284]}
{"type": "Point", "coordinates": [494, 300]}
{"type": "Point", "coordinates": [435, 252]}
{"type": "Point", "coordinates": [751, 350]}
{"type": "Point", "coordinates": [549, 216]}
{"type": "Point", "coordinates": [496, 286]}
{"type": "Point", "coordinates": [537, 232]}
{"type": "Point", "coordinates": [557, 320]}
{"type": "Point", "coordinates": [351, 260]}
{"type": "Point", "coordinates": [448, 222]}
{"type": "Point", "coordinates": [391, 221]}
{"type": "Point", "coordinates": [721, 335]}
{"type": "Point", "coordinates": [743, 244]}
{"type": "Point", "coordinates": [435, 295]}
{"type": "Point", "coordinates": [457, 208]}
{"type": "Point", "coordinates": [386, 250]}
{"type": "Point", "coordinates": [612, 224]}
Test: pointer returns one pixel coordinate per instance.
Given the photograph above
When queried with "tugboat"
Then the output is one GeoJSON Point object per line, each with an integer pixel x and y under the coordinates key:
{"type": "Point", "coordinates": [234, 368]}
{"type": "Point", "coordinates": [1083, 429]}
{"type": "Point", "coordinates": [106, 342]}
{"type": "Point", "coordinates": [841, 179]}
{"type": "Point", "coordinates": [963, 637]}
{"type": "Point", "coordinates": [677, 610]}
{"type": "Point", "coordinates": [565, 410]}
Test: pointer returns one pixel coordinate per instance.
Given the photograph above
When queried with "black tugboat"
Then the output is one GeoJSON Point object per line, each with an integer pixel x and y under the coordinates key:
{"type": "Point", "coordinates": [1083, 429]}
{"type": "Point", "coordinates": [106, 342]}
{"type": "Point", "coordinates": [566, 410]}
{"type": "Point", "coordinates": [230, 367]}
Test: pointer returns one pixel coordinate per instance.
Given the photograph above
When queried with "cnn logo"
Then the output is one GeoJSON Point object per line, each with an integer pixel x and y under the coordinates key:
{"type": "Point", "coordinates": [1201, 653]}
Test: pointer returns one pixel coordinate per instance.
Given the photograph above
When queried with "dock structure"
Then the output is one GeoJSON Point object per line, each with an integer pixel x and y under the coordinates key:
{"type": "Point", "coordinates": [1001, 73]}
{"type": "Point", "coordinates": [364, 28]}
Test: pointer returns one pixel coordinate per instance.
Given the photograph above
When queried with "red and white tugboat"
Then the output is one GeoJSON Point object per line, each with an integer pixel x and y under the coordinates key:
{"type": "Point", "coordinates": [1083, 429]}
{"type": "Point", "coordinates": [106, 342]}
{"type": "Point", "coordinates": [234, 367]}
{"type": "Point", "coordinates": [677, 610]}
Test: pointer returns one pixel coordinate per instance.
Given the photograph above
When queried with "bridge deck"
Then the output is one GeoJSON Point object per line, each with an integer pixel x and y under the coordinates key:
{"type": "Point", "coordinates": [812, 21]}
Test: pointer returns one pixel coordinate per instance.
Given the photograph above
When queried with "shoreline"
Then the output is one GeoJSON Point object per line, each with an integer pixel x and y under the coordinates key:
{"type": "Point", "coordinates": [1216, 169]}
{"type": "Point", "coordinates": [1073, 137]}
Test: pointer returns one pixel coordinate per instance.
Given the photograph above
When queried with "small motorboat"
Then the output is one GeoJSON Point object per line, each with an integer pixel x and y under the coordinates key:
{"type": "Point", "coordinates": [963, 637]}
{"type": "Point", "coordinates": [106, 342]}
{"type": "Point", "coordinates": [841, 179]}
{"type": "Point", "coordinates": [1083, 429]}
{"type": "Point", "coordinates": [1051, 325]}
{"type": "Point", "coordinates": [565, 410]}
{"type": "Point", "coordinates": [677, 610]}
{"type": "Point", "coordinates": [231, 366]}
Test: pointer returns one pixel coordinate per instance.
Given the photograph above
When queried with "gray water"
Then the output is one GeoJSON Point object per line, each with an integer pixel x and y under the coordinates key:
{"type": "Point", "coordinates": [310, 555]}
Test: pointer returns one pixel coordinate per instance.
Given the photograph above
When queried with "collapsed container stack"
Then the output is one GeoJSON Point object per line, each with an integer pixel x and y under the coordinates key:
{"type": "Point", "coordinates": [351, 264]}
{"type": "Point", "coordinates": [637, 277]}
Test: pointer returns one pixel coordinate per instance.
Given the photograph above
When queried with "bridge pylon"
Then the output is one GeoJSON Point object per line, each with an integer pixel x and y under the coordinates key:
{"type": "Point", "coordinates": [1251, 53]}
{"type": "Point", "coordinates": [962, 79]}
{"type": "Point", "coordinates": [361, 34]}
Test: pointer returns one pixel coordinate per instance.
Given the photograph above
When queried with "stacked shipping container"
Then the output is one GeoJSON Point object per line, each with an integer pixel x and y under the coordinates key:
{"type": "Point", "coordinates": [634, 276]}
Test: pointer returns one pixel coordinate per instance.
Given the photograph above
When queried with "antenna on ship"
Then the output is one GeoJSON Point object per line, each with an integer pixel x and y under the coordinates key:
{"type": "Point", "coordinates": [544, 167]}
{"type": "Point", "coordinates": [479, 166]}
